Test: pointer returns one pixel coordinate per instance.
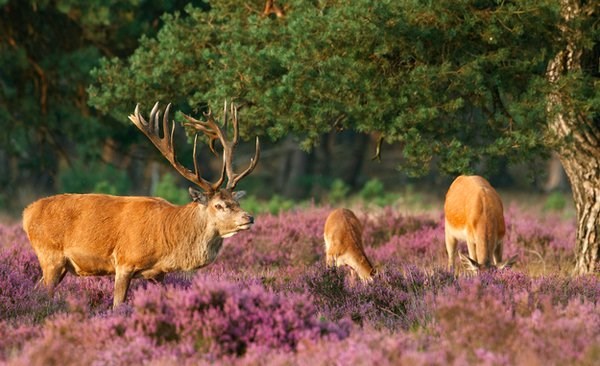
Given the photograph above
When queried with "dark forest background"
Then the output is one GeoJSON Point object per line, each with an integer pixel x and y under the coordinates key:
{"type": "Point", "coordinates": [439, 88]}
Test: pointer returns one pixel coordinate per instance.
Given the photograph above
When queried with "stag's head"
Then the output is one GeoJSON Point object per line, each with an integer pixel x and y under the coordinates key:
{"type": "Point", "coordinates": [222, 203]}
{"type": "Point", "coordinates": [224, 209]}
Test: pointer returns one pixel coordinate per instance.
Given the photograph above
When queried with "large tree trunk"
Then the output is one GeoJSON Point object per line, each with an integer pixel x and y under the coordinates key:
{"type": "Point", "coordinates": [557, 179]}
{"type": "Point", "coordinates": [578, 145]}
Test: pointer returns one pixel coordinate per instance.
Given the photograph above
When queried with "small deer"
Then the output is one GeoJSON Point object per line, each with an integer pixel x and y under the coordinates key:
{"type": "Point", "coordinates": [130, 237]}
{"type": "Point", "coordinates": [343, 244]}
{"type": "Point", "coordinates": [474, 213]}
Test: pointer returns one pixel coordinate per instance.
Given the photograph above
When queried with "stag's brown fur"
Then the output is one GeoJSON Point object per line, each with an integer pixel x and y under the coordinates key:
{"type": "Point", "coordinates": [474, 213]}
{"type": "Point", "coordinates": [96, 234]}
{"type": "Point", "coordinates": [343, 243]}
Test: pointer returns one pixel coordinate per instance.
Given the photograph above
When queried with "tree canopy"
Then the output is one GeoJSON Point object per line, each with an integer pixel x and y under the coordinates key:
{"type": "Point", "coordinates": [47, 49]}
{"type": "Point", "coordinates": [460, 80]}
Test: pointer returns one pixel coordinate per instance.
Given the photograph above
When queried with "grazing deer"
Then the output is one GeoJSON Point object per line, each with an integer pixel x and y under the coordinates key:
{"type": "Point", "coordinates": [131, 237]}
{"type": "Point", "coordinates": [343, 244]}
{"type": "Point", "coordinates": [474, 213]}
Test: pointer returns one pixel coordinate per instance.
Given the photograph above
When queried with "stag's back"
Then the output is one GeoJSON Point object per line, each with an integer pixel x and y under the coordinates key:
{"type": "Point", "coordinates": [343, 243]}
{"type": "Point", "coordinates": [91, 228]}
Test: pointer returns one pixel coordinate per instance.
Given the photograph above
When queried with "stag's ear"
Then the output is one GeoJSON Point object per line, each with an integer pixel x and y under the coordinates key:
{"type": "Point", "coordinates": [508, 263]}
{"type": "Point", "coordinates": [468, 263]}
{"type": "Point", "coordinates": [198, 196]}
{"type": "Point", "coordinates": [239, 194]}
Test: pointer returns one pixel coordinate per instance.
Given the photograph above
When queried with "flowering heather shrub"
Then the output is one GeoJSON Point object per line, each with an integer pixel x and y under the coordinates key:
{"type": "Point", "coordinates": [394, 300]}
{"type": "Point", "coordinates": [209, 320]}
{"type": "Point", "coordinates": [380, 227]}
{"type": "Point", "coordinates": [269, 299]}
{"type": "Point", "coordinates": [497, 319]}
{"type": "Point", "coordinates": [290, 238]}
{"type": "Point", "coordinates": [422, 247]}
{"type": "Point", "coordinates": [19, 271]}
{"type": "Point", "coordinates": [546, 240]}
{"type": "Point", "coordinates": [222, 317]}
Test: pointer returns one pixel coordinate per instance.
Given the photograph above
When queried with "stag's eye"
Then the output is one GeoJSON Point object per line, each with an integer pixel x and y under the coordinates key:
{"type": "Point", "coordinates": [219, 207]}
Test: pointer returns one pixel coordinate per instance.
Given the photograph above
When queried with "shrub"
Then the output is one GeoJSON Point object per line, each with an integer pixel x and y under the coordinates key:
{"type": "Point", "coordinates": [93, 177]}
{"type": "Point", "coordinates": [555, 202]}
{"type": "Point", "coordinates": [274, 205]}
{"type": "Point", "coordinates": [168, 189]}
{"type": "Point", "coordinates": [338, 191]}
{"type": "Point", "coordinates": [372, 190]}
{"type": "Point", "coordinates": [269, 298]}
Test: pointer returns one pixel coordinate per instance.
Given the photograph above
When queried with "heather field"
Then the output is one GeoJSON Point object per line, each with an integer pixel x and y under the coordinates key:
{"type": "Point", "coordinates": [269, 299]}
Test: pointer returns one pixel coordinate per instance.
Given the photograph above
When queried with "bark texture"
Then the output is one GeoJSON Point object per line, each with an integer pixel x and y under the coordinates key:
{"type": "Point", "coordinates": [577, 137]}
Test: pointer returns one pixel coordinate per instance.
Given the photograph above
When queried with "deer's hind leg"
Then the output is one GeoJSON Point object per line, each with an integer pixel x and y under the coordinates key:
{"type": "Point", "coordinates": [123, 276]}
{"type": "Point", "coordinates": [451, 249]}
{"type": "Point", "coordinates": [451, 242]}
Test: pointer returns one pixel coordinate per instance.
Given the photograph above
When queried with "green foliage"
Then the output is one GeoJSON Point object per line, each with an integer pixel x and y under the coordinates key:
{"type": "Point", "coordinates": [274, 205]}
{"type": "Point", "coordinates": [95, 177]}
{"type": "Point", "coordinates": [372, 189]}
{"type": "Point", "coordinates": [458, 80]}
{"type": "Point", "coordinates": [47, 49]}
{"type": "Point", "coordinates": [555, 201]}
{"type": "Point", "coordinates": [168, 189]}
{"type": "Point", "coordinates": [277, 204]}
{"type": "Point", "coordinates": [251, 204]}
{"type": "Point", "coordinates": [338, 191]}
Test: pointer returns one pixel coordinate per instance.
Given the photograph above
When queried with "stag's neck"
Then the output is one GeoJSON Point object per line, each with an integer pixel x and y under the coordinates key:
{"type": "Point", "coordinates": [194, 239]}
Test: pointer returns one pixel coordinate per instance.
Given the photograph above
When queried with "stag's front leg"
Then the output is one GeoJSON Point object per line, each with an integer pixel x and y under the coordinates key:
{"type": "Point", "coordinates": [330, 260]}
{"type": "Point", "coordinates": [122, 279]}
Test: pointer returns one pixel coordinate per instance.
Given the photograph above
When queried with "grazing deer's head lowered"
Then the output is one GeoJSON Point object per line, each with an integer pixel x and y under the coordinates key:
{"type": "Point", "coordinates": [343, 244]}
{"type": "Point", "coordinates": [474, 213]}
{"type": "Point", "coordinates": [98, 234]}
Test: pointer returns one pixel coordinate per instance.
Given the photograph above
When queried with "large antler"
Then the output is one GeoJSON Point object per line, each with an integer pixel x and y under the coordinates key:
{"type": "Point", "coordinates": [165, 146]}
{"type": "Point", "coordinates": [214, 132]}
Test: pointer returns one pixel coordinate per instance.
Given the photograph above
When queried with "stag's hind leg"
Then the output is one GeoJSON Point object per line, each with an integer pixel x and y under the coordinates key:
{"type": "Point", "coordinates": [450, 248]}
{"type": "Point", "coordinates": [123, 277]}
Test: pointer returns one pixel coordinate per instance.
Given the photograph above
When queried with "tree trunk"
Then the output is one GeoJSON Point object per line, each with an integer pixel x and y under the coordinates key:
{"type": "Point", "coordinates": [361, 142]}
{"type": "Point", "coordinates": [294, 165]}
{"type": "Point", "coordinates": [577, 137]}
{"type": "Point", "coordinates": [557, 179]}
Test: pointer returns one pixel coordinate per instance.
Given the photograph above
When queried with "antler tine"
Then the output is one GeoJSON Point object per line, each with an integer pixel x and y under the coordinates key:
{"type": "Point", "coordinates": [166, 126]}
{"type": "Point", "coordinates": [225, 119]}
{"type": "Point", "coordinates": [165, 144]}
{"type": "Point", "coordinates": [209, 128]}
{"type": "Point", "coordinates": [235, 178]}
{"type": "Point", "coordinates": [213, 132]}
{"type": "Point", "coordinates": [195, 158]}
{"type": "Point", "coordinates": [223, 170]}
{"type": "Point", "coordinates": [153, 119]}
{"type": "Point", "coordinates": [236, 131]}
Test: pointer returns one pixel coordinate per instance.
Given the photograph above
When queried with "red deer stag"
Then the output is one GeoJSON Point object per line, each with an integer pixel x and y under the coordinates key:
{"type": "Point", "coordinates": [474, 213]}
{"type": "Point", "coordinates": [133, 237]}
{"type": "Point", "coordinates": [343, 244]}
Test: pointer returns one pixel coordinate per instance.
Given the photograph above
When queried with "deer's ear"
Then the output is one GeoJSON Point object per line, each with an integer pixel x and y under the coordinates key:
{"type": "Point", "coordinates": [238, 195]}
{"type": "Point", "coordinates": [198, 196]}
{"type": "Point", "coordinates": [468, 263]}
